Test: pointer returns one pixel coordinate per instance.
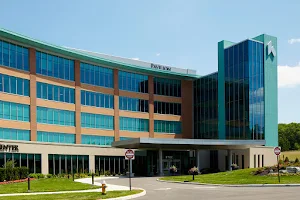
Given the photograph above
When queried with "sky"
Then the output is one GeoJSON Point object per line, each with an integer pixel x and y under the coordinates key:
{"type": "Point", "coordinates": [178, 33]}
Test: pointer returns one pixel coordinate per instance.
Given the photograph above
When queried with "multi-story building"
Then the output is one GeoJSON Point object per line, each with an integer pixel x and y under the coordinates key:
{"type": "Point", "coordinates": [66, 110]}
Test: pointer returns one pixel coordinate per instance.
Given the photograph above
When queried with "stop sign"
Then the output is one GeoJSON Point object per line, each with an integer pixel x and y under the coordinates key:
{"type": "Point", "coordinates": [129, 154]}
{"type": "Point", "coordinates": [277, 151]}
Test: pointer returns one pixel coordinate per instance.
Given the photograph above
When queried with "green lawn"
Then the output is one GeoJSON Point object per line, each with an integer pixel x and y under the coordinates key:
{"type": "Point", "coordinates": [243, 176]}
{"type": "Point", "coordinates": [292, 155]}
{"type": "Point", "coordinates": [74, 196]}
{"type": "Point", "coordinates": [45, 185]}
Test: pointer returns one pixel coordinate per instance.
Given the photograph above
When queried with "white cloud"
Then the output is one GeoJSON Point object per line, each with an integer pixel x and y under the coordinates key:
{"type": "Point", "coordinates": [135, 58]}
{"type": "Point", "coordinates": [158, 54]}
{"type": "Point", "coordinates": [294, 40]}
{"type": "Point", "coordinates": [288, 76]}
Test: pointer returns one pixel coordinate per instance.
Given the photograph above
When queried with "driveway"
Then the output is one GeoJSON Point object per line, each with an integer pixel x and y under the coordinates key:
{"type": "Point", "coordinates": [174, 191]}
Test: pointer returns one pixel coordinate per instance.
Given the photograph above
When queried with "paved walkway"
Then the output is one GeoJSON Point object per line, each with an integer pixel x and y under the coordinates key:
{"type": "Point", "coordinates": [174, 191]}
{"type": "Point", "coordinates": [97, 181]}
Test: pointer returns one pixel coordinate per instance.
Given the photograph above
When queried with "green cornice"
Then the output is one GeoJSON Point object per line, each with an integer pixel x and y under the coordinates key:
{"type": "Point", "coordinates": [86, 57]}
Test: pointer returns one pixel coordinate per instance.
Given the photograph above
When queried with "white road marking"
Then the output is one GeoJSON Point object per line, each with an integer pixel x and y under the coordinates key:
{"type": "Point", "coordinates": [163, 189]}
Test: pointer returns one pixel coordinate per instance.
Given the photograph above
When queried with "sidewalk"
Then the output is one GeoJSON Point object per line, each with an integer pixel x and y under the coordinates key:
{"type": "Point", "coordinates": [109, 186]}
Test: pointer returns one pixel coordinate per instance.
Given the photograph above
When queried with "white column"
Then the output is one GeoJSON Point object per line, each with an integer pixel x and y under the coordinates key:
{"type": "Point", "coordinates": [160, 155]}
{"type": "Point", "coordinates": [92, 163]}
{"type": "Point", "coordinates": [198, 158]}
{"type": "Point", "coordinates": [229, 155]}
{"type": "Point", "coordinates": [45, 167]}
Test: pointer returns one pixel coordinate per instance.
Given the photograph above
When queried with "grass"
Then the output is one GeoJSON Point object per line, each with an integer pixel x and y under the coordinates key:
{"type": "Point", "coordinates": [45, 185]}
{"type": "Point", "coordinates": [292, 155]}
{"type": "Point", "coordinates": [72, 196]}
{"type": "Point", "coordinates": [243, 176]}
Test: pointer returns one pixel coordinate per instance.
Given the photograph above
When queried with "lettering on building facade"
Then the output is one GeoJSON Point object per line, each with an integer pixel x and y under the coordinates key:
{"type": "Point", "coordinates": [9, 148]}
{"type": "Point", "coordinates": [155, 66]}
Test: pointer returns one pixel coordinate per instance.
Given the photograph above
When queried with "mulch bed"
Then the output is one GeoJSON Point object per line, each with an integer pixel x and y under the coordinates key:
{"type": "Point", "coordinates": [16, 181]}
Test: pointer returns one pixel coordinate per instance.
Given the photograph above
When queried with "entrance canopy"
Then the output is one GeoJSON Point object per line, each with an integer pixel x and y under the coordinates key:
{"type": "Point", "coordinates": [186, 144]}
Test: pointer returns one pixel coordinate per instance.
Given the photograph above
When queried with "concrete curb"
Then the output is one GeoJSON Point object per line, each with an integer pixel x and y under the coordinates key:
{"type": "Point", "coordinates": [223, 185]}
{"type": "Point", "coordinates": [143, 193]}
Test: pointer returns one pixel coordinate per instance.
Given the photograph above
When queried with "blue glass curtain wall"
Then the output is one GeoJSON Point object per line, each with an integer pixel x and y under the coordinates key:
{"type": "Point", "coordinates": [133, 82]}
{"type": "Point", "coordinates": [134, 124]}
{"type": "Point", "coordinates": [167, 87]}
{"type": "Point", "coordinates": [89, 120]}
{"type": "Point", "coordinates": [55, 92]}
{"type": "Point", "coordinates": [97, 99]}
{"type": "Point", "coordinates": [55, 137]}
{"type": "Point", "coordinates": [14, 56]}
{"type": "Point", "coordinates": [14, 134]}
{"type": "Point", "coordinates": [161, 126]}
{"type": "Point", "coordinates": [55, 116]}
{"type": "Point", "coordinates": [54, 66]}
{"type": "Point", "coordinates": [133, 104]}
{"type": "Point", "coordinates": [244, 91]}
{"type": "Point", "coordinates": [14, 85]}
{"type": "Point", "coordinates": [96, 75]}
{"type": "Point", "coordinates": [97, 140]}
{"type": "Point", "coordinates": [206, 107]}
{"type": "Point", "coordinates": [14, 111]}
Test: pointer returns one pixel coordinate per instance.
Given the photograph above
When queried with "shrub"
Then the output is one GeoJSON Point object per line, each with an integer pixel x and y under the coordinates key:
{"type": "Point", "coordinates": [193, 171]}
{"type": "Point", "coordinates": [286, 160]}
{"type": "Point", "coordinates": [10, 176]}
{"type": "Point", "coordinates": [280, 161]}
{"type": "Point", "coordinates": [107, 173]}
{"type": "Point", "coordinates": [49, 175]}
{"type": "Point", "coordinates": [296, 160]}
{"type": "Point", "coordinates": [23, 171]}
{"type": "Point", "coordinates": [2, 174]}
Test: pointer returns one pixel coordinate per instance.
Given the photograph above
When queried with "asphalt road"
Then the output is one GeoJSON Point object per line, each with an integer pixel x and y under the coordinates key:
{"type": "Point", "coordinates": [174, 191]}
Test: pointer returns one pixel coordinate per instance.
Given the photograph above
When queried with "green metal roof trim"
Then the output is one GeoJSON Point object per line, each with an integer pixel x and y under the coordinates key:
{"type": "Point", "coordinates": [84, 57]}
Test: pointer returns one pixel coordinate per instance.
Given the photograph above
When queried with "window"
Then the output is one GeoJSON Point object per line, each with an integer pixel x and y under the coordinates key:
{"type": "Point", "coordinates": [14, 85]}
{"type": "Point", "coordinates": [89, 120]}
{"type": "Point", "coordinates": [254, 161]}
{"type": "Point", "coordinates": [161, 126]}
{"type": "Point", "coordinates": [134, 124]}
{"type": "Point", "coordinates": [54, 66]}
{"type": "Point", "coordinates": [262, 160]}
{"type": "Point", "coordinates": [133, 82]}
{"type": "Point", "coordinates": [55, 116]}
{"type": "Point", "coordinates": [133, 104]}
{"type": "Point", "coordinates": [32, 161]}
{"type": "Point", "coordinates": [96, 75]}
{"type": "Point", "coordinates": [258, 158]}
{"type": "Point", "coordinates": [97, 140]}
{"type": "Point", "coordinates": [55, 137]}
{"type": "Point", "coordinates": [14, 111]}
{"type": "Point", "coordinates": [97, 99]}
{"type": "Point", "coordinates": [14, 134]}
{"type": "Point", "coordinates": [167, 87]}
{"type": "Point", "coordinates": [167, 108]}
{"type": "Point", "coordinates": [14, 56]}
{"type": "Point", "coordinates": [55, 93]}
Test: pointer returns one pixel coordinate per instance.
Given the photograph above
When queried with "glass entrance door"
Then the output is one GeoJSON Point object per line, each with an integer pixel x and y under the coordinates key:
{"type": "Point", "coordinates": [169, 163]}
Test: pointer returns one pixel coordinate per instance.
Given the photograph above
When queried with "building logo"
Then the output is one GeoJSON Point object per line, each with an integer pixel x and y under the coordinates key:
{"type": "Point", "coordinates": [9, 148]}
{"type": "Point", "coordinates": [271, 49]}
{"type": "Point", "coordinates": [155, 66]}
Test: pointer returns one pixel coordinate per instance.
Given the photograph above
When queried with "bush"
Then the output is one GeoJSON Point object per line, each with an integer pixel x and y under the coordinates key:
{"type": "Point", "coordinates": [193, 171]}
{"type": "Point", "coordinates": [2, 174]}
{"type": "Point", "coordinates": [49, 175]}
{"type": "Point", "coordinates": [296, 160]}
{"type": "Point", "coordinates": [23, 171]}
{"type": "Point", "coordinates": [107, 173]}
{"type": "Point", "coordinates": [280, 162]}
{"type": "Point", "coordinates": [286, 160]}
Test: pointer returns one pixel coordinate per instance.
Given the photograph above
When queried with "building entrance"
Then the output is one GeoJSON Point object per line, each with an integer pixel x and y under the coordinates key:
{"type": "Point", "coordinates": [167, 163]}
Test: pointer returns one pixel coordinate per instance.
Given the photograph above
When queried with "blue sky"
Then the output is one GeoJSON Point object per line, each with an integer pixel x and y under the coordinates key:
{"type": "Point", "coordinates": [172, 32]}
